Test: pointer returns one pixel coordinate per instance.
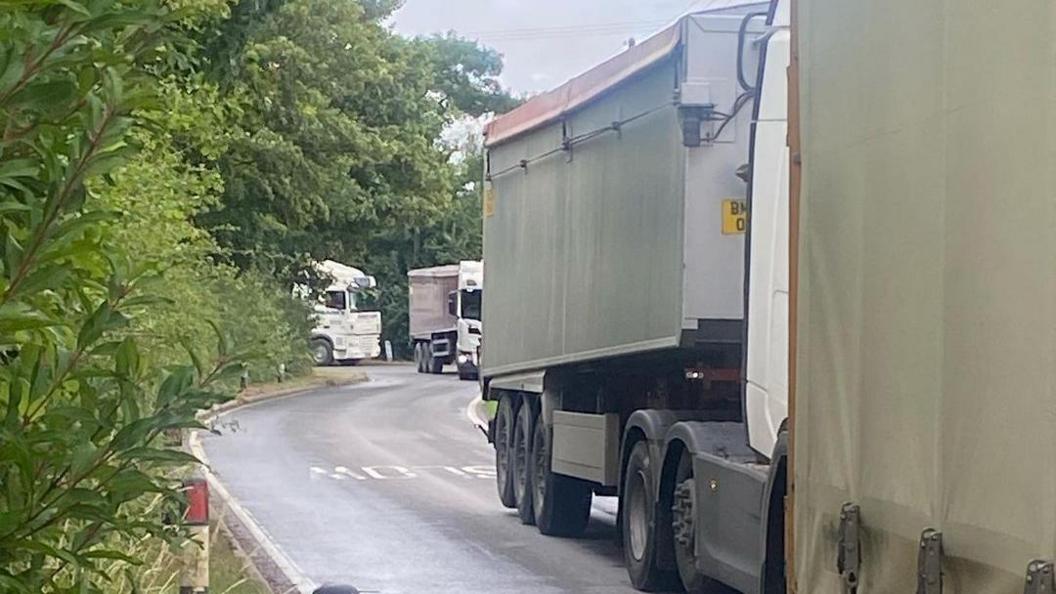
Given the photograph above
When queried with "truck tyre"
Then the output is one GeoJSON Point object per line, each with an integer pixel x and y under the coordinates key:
{"type": "Point", "coordinates": [637, 520]}
{"type": "Point", "coordinates": [322, 352]}
{"type": "Point", "coordinates": [432, 364]}
{"type": "Point", "coordinates": [419, 357]}
{"type": "Point", "coordinates": [683, 517]}
{"type": "Point", "coordinates": [561, 504]}
{"type": "Point", "coordinates": [505, 419]}
{"type": "Point", "coordinates": [521, 461]}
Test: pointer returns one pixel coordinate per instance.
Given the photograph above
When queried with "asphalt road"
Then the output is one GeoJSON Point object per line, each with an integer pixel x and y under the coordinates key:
{"type": "Point", "coordinates": [388, 487]}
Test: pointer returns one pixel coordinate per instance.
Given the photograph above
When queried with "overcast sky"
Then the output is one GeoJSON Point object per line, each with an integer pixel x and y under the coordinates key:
{"type": "Point", "coordinates": [546, 42]}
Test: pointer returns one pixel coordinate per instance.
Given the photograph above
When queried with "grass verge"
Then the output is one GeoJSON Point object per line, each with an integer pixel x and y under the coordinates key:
{"type": "Point", "coordinates": [229, 572]}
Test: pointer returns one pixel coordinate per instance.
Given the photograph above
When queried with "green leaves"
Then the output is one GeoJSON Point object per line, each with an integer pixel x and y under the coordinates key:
{"type": "Point", "coordinates": [83, 405]}
{"type": "Point", "coordinates": [46, 96]}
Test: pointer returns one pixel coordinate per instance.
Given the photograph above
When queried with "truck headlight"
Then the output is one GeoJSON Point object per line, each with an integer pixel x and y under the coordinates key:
{"type": "Point", "coordinates": [462, 358]}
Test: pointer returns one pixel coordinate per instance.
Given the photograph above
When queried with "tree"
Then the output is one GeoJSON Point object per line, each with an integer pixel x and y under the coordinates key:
{"type": "Point", "coordinates": [339, 154]}
{"type": "Point", "coordinates": [467, 74]}
{"type": "Point", "coordinates": [339, 138]}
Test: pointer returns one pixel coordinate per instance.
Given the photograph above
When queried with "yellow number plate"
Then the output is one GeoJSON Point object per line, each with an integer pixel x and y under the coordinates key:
{"type": "Point", "coordinates": [734, 217]}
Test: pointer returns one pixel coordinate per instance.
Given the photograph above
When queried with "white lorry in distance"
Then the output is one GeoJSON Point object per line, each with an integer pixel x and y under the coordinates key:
{"type": "Point", "coordinates": [444, 309]}
{"type": "Point", "coordinates": [342, 333]}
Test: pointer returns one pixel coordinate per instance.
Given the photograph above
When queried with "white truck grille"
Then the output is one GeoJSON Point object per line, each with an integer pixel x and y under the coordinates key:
{"type": "Point", "coordinates": [366, 322]}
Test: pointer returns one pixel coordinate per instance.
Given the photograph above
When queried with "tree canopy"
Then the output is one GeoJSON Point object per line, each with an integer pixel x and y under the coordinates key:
{"type": "Point", "coordinates": [338, 152]}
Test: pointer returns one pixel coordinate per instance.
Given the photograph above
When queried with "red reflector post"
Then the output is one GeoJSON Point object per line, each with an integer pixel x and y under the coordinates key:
{"type": "Point", "coordinates": [197, 493]}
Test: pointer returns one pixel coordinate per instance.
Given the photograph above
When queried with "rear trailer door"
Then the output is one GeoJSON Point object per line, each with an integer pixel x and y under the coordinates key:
{"type": "Point", "coordinates": [927, 294]}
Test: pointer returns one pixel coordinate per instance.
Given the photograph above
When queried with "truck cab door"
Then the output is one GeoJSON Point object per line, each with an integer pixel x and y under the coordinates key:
{"type": "Point", "coordinates": [766, 389]}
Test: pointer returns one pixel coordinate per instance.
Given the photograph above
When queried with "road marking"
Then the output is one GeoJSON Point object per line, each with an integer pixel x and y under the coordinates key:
{"type": "Point", "coordinates": [450, 469]}
{"type": "Point", "coordinates": [474, 416]}
{"type": "Point", "coordinates": [399, 472]}
{"type": "Point", "coordinates": [289, 568]}
{"type": "Point", "coordinates": [481, 471]}
{"type": "Point", "coordinates": [344, 471]}
{"type": "Point", "coordinates": [388, 472]}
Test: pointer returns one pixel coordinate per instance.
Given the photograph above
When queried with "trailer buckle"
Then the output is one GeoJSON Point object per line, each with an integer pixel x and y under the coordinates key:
{"type": "Point", "coordinates": [849, 552]}
{"type": "Point", "coordinates": [929, 562]}
{"type": "Point", "coordinates": [1040, 578]}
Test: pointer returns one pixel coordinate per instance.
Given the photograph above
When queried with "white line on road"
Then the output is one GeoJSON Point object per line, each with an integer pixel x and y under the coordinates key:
{"type": "Point", "coordinates": [293, 573]}
{"type": "Point", "coordinates": [473, 414]}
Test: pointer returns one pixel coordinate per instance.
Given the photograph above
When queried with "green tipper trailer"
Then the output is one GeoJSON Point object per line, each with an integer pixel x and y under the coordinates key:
{"type": "Point", "coordinates": [603, 230]}
{"type": "Point", "coordinates": [614, 247]}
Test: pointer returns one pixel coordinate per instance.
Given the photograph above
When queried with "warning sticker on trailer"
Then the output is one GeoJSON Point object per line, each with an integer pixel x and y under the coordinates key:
{"type": "Point", "coordinates": [734, 217]}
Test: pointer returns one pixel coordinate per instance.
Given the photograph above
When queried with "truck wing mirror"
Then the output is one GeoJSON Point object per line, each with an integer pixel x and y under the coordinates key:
{"type": "Point", "coordinates": [452, 304]}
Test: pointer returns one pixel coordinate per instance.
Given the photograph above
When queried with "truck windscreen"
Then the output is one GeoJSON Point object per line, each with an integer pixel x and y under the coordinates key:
{"type": "Point", "coordinates": [471, 304]}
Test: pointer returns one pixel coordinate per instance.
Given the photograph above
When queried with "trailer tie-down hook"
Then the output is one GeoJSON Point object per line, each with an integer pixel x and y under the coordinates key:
{"type": "Point", "coordinates": [1040, 578]}
{"type": "Point", "coordinates": [849, 552]}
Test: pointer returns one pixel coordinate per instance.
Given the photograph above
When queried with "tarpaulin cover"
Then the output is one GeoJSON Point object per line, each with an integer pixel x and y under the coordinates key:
{"type": "Point", "coordinates": [927, 303]}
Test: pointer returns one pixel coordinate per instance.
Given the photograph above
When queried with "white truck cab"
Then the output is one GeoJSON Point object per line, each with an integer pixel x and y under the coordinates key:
{"type": "Point", "coordinates": [342, 333]}
{"type": "Point", "coordinates": [766, 365]}
{"type": "Point", "coordinates": [465, 304]}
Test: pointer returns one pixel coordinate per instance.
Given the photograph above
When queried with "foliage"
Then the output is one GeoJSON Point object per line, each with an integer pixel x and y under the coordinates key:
{"type": "Point", "coordinates": [467, 74]}
{"type": "Point", "coordinates": [158, 195]}
{"type": "Point", "coordinates": [83, 409]}
{"type": "Point", "coordinates": [339, 137]}
{"type": "Point", "coordinates": [455, 236]}
{"type": "Point", "coordinates": [340, 155]}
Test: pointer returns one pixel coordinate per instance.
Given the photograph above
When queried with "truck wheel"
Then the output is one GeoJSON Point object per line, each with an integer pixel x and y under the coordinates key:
{"type": "Point", "coordinates": [561, 504]}
{"type": "Point", "coordinates": [638, 507]}
{"type": "Point", "coordinates": [521, 458]}
{"type": "Point", "coordinates": [418, 358]}
{"type": "Point", "coordinates": [322, 352]}
{"type": "Point", "coordinates": [505, 419]}
{"type": "Point", "coordinates": [432, 364]}
{"type": "Point", "coordinates": [682, 524]}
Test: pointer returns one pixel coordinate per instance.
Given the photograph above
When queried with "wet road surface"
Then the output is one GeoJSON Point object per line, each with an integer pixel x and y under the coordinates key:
{"type": "Point", "coordinates": [387, 486]}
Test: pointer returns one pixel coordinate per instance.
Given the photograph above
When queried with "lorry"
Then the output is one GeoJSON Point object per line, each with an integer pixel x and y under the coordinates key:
{"type": "Point", "coordinates": [444, 305]}
{"type": "Point", "coordinates": [343, 333]}
{"type": "Point", "coordinates": [638, 332]}
{"type": "Point", "coordinates": [892, 423]}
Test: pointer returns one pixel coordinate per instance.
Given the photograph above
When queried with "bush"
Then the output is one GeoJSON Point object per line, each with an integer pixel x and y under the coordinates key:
{"type": "Point", "coordinates": [83, 410]}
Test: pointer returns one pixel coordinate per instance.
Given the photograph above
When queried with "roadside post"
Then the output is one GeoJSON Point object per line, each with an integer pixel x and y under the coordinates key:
{"type": "Point", "coordinates": [194, 570]}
